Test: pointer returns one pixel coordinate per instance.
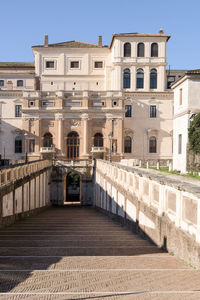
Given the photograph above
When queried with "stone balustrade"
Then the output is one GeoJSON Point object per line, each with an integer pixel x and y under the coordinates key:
{"type": "Point", "coordinates": [166, 210]}
{"type": "Point", "coordinates": [24, 190]}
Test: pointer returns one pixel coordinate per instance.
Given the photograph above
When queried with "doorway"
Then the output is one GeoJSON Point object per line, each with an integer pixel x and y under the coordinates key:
{"type": "Point", "coordinates": [73, 187]}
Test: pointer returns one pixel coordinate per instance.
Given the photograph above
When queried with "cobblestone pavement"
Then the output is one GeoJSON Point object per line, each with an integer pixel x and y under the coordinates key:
{"type": "Point", "coordinates": [79, 253]}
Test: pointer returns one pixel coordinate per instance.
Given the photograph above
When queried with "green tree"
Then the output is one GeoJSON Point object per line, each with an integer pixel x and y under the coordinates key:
{"type": "Point", "coordinates": [194, 134]}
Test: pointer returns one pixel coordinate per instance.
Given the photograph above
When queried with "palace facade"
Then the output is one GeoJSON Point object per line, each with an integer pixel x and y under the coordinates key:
{"type": "Point", "coordinates": [82, 100]}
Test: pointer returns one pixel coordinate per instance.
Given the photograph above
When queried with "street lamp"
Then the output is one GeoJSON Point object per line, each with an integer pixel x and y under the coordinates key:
{"type": "Point", "coordinates": [25, 147]}
{"type": "Point", "coordinates": [110, 145]}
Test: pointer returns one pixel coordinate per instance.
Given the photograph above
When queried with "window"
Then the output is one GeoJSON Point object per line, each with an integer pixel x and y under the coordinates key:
{"type": "Point", "coordinates": [140, 79]}
{"type": "Point", "coordinates": [127, 50]}
{"type": "Point", "coordinates": [18, 111]}
{"type": "Point", "coordinates": [152, 111]}
{"type": "Point", "coordinates": [1, 83]}
{"type": "Point", "coordinates": [154, 50]}
{"type": "Point", "coordinates": [98, 64]}
{"type": "Point", "coordinates": [47, 103]}
{"type": "Point", "coordinates": [31, 103]}
{"type": "Point", "coordinates": [98, 140]}
{"type": "Point", "coordinates": [74, 64]}
{"type": "Point", "coordinates": [127, 144]}
{"type": "Point", "coordinates": [50, 64]}
{"type": "Point", "coordinates": [180, 144]}
{"type": "Point", "coordinates": [152, 144]}
{"type": "Point", "coordinates": [128, 113]}
{"type": "Point", "coordinates": [153, 79]}
{"type": "Point", "coordinates": [140, 50]}
{"type": "Point", "coordinates": [126, 79]}
{"type": "Point", "coordinates": [73, 143]}
{"type": "Point", "coordinates": [48, 140]}
{"type": "Point", "coordinates": [180, 96]}
{"type": "Point", "coordinates": [31, 145]}
{"type": "Point", "coordinates": [20, 83]}
{"type": "Point", "coordinates": [114, 103]}
{"type": "Point", "coordinates": [18, 145]}
{"type": "Point", "coordinates": [170, 79]}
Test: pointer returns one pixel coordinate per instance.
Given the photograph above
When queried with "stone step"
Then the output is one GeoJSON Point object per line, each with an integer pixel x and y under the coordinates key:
{"type": "Point", "coordinates": [78, 251]}
{"type": "Point", "coordinates": [72, 243]}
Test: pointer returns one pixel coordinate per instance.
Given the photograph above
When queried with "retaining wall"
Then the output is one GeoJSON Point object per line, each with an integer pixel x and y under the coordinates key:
{"type": "Point", "coordinates": [165, 210]}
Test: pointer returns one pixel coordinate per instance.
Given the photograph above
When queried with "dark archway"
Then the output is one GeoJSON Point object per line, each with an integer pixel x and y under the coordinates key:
{"type": "Point", "coordinates": [73, 143]}
{"type": "Point", "coordinates": [73, 187]}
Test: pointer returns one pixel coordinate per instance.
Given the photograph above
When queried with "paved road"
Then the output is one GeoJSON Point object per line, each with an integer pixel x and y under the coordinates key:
{"type": "Point", "coordinates": [78, 253]}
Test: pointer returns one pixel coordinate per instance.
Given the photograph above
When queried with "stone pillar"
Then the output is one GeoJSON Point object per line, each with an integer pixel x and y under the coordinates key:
{"type": "Point", "coordinates": [85, 134]}
{"type": "Point", "coordinates": [59, 118]}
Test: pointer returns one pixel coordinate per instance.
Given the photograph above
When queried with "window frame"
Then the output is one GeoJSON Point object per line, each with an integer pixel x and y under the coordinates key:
{"type": "Point", "coordinates": [140, 49]}
{"type": "Point", "coordinates": [153, 111]}
{"type": "Point", "coordinates": [1, 83]}
{"type": "Point", "coordinates": [20, 83]}
{"type": "Point", "coordinates": [74, 61]}
{"type": "Point", "coordinates": [153, 148]}
{"type": "Point", "coordinates": [127, 148]}
{"type": "Point", "coordinates": [49, 62]}
{"type": "Point", "coordinates": [153, 80]}
{"type": "Point", "coordinates": [18, 144]}
{"type": "Point", "coordinates": [138, 79]}
{"type": "Point", "coordinates": [154, 52]}
{"type": "Point", "coordinates": [128, 113]}
{"type": "Point", "coordinates": [127, 52]}
{"type": "Point", "coordinates": [127, 81]}
{"type": "Point", "coordinates": [180, 143]}
{"type": "Point", "coordinates": [18, 111]}
{"type": "Point", "coordinates": [96, 62]}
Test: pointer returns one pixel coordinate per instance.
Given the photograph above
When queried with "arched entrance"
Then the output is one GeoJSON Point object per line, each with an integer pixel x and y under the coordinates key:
{"type": "Point", "coordinates": [73, 143]}
{"type": "Point", "coordinates": [73, 187]}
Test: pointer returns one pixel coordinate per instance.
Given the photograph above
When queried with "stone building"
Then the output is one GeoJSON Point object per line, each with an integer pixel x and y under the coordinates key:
{"type": "Point", "coordinates": [186, 106]}
{"type": "Point", "coordinates": [82, 100]}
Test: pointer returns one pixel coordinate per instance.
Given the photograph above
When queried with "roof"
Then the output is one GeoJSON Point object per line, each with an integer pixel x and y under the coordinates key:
{"type": "Point", "coordinates": [137, 34]}
{"type": "Point", "coordinates": [23, 65]}
{"type": "Point", "coordinates": [184, 76]}
{"type": "Point", "coordinates": [71, 44]}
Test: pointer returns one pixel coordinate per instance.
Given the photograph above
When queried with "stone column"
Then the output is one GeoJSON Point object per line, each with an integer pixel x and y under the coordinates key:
{"type": "Point", "coordinates": [85, 134]}
{"type": "Point", "coordinates": [59, 118]}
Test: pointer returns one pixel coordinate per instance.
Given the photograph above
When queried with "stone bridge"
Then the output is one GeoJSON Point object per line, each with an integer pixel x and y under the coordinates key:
{"type": "Point", "coordinates": [112, 249]}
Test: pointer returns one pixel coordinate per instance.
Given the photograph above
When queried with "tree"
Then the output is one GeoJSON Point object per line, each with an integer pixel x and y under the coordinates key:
{"type": "Point", "coordinates": [194, 134]}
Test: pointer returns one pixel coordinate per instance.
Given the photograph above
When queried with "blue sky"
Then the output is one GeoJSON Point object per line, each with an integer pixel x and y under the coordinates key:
{"type": "Point", "coordinates": [24, 23]}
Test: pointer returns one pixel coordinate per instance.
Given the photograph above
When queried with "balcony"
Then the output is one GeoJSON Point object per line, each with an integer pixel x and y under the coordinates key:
{"type": "Point", "coordinates": [47, 150]}
{"type": "Point", "coordinates": [98, 149]}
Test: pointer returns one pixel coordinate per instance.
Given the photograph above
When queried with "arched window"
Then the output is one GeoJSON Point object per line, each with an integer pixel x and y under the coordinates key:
{"type": "Point", "coordinates": [153, 79]}
{"type": "Point", "coordinates": [20, 83]}
{"type": "Point", "coordinates": [140, 50]}
{"type": "Point", "coordinates": [152, 144]}
{"type": "Point", "coordinates": [73, 143]}
{"type": "Point", "coordinates": [18, 144]}
{"type": "Point", "coordinates": [127, 144]}
{"type": "Point", "coordinates": [48, 140]}
{"type": "Point", "coordinates": [127, 79]}
{"type": "Point", "coordinates": [98, 140]}
{"type": "Point", "coordinates": [127, 50]}
{"type": "Point", "coordinates": [140, 79]}
{"type": "Point", "coordinates": [154, 50]}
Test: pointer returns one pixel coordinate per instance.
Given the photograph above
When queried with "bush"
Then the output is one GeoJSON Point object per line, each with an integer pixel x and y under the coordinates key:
{"type": "Point", "coordinates": [194, 134]}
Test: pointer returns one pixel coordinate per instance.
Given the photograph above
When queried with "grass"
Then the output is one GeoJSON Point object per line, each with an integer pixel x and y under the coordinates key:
{"type": "Point", "coordinates": [194, 175]}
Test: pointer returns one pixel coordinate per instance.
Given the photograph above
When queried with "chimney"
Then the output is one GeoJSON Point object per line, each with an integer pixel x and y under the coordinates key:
{"type": "Point", "coordinates": [100, 41]}
{"type": "Point", "coordinates": [46, 40]}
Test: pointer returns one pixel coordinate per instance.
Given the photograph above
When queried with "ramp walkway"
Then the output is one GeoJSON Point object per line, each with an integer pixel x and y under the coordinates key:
{"type": "Point", "coordinates": [77, 252]}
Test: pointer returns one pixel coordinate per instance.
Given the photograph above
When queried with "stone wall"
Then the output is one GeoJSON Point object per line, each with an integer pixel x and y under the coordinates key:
{"type": "Point", "coordinates": [24, 190]}
{"type": "Point", "coordinates": [165, 210]}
